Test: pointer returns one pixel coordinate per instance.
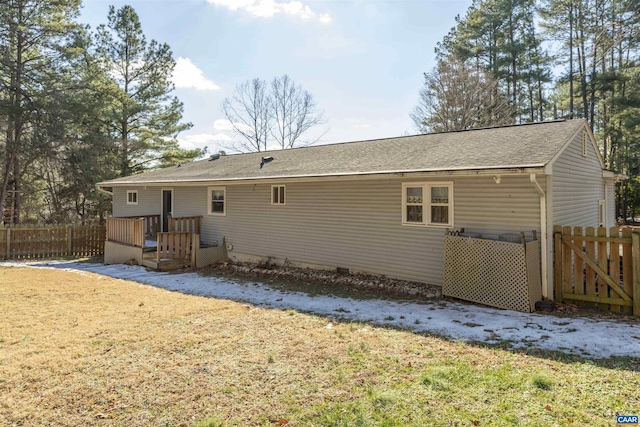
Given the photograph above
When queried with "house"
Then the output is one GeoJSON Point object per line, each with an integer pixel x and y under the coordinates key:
{"type": "Point", "coordinates": [382, 206]}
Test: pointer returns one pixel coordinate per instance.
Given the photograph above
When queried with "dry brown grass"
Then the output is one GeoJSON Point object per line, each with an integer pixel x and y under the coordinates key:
{"type": "Point", "coordinates": [82, 349]}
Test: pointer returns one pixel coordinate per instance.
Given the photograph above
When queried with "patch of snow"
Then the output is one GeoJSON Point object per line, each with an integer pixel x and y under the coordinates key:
{"type": "Point", "coordinates": [590, 338]}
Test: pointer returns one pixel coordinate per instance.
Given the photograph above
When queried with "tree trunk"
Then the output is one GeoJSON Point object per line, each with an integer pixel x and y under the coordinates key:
{"type": "Point", "coordinates": [571, 107]}
{"type": "Point", "coordinates": [17, 193]}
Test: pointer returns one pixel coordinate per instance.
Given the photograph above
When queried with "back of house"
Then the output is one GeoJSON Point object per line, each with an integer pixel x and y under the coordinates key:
{"type": "Point", "coordinates": [384, 206]}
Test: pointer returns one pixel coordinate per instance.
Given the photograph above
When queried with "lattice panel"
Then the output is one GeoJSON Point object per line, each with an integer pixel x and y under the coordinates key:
{"type": "Point", "coordinates": [489, 272]}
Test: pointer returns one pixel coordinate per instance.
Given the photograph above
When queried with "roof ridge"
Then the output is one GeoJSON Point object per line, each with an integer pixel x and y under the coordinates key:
{"type": "Point", "coordinates": [278, 150]}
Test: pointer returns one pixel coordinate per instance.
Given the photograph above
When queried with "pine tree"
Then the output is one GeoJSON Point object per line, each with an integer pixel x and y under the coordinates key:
{"type": "Point", "coordinates": [35, 39]}
{"type": "Point", "coordinates": [144, 117]}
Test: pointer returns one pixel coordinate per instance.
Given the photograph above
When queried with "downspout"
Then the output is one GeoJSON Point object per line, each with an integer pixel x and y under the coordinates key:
{"type": "Point", "coordinates": [103, 191]}
{"type": "Point", "coordinates": [543, 235]}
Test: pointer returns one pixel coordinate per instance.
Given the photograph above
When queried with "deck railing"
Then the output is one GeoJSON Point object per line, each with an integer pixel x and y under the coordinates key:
{"type": "Point", "coordinates": [151, 224]}
{"type": "Point", "coordinates": [130, 231]}
{"type": "Point", "coordinates": [189, 224]}
{"type": "Point", "coordinates": [174, 245]}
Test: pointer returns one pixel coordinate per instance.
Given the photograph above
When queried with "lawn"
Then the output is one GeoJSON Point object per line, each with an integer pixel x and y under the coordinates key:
{"type": "Point", "coordinates": [82, 349]}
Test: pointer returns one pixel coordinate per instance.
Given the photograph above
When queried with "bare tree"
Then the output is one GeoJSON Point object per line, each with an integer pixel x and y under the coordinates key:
{"type": "Point", "coordinates": [457, 96]}
{"type": "Point", "coordinates": [249, 111]}
{"type": "Point", "coordinates": [284, 114]}
{"type": "Point", "coordinates": [294, 112]}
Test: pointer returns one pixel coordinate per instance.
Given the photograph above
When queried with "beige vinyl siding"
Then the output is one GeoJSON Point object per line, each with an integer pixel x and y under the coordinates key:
{"type": "Point", "coordinates": [148, 201]}
{"type": "Point", "coordinates": [190, 201]}
{"type": "Point", "coordinates": [578, 185]}
{"type": "Point", "coordinates": [611, 205]}
{"type": "Point", "coordinates": [487, 207]}
{"type": "Point", "coordinates": [357, 224]}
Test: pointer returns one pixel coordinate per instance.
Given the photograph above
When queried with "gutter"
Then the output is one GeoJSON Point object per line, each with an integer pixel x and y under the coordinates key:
{"type": "Point", "coordinates": [543, 236]}
{"type": "Point", "coordinates": [538, 169]}
{"type": "Point", "coordinates": [613, 176]}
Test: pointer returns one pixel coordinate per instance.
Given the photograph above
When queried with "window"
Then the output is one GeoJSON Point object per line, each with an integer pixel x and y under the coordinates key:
{"type": "Point", "coordinates": [429, 204]}
{"type": "Point", "coordinates": [217, 201]}
{"type": "Point", "coordinates": [277, 194]}
{"type": "Point", "coordinates": [132, 197]}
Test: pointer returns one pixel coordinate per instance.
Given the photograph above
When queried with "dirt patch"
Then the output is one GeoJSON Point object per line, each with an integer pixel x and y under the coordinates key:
{"type": "Point", "coordinates": [327, 282]}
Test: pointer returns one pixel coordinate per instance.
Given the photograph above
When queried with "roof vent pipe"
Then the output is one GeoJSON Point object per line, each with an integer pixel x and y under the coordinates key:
{"type": "Point", "coordinates": [265, 160]}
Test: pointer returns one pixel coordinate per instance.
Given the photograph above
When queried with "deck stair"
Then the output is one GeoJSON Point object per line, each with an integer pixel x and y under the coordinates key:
{"type": "Point", "coordinates": [173, 251]}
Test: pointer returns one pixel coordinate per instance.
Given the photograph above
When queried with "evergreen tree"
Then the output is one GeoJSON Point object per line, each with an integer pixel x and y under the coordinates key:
{"type": "Point", "coordinates": [144, 117]}
{"type": "Point", "coordinates": [36, 40]}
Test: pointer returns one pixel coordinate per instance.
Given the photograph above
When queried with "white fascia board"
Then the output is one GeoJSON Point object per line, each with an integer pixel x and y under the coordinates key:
{"type": "Point", "coordinates": [537, 169]}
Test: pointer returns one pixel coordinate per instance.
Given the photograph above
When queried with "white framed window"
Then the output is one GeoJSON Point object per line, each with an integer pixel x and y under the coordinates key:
{"type": "Point", "coordinates": [278, 195]}
{"type": "Point", "coordinates": [427, 203]}
{"type": "Point", "coordinates": [132, 197]}
{"type": "Point", "coordinates": [217, 201]}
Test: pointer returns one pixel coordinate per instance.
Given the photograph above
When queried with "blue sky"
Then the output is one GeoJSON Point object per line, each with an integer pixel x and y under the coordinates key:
{"type": "Point", "coordinates": [363, 61]}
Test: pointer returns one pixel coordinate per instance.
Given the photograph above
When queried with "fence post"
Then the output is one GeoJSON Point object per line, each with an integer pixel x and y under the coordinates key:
{"type": "Point", "coordinates": [69, 241]}
{"type": "Point", "coordinates": [557, 250]}
{"type": "Point", "coordinates": [8, 243]}
{"type": "Point", "coordinates": [635, 250]}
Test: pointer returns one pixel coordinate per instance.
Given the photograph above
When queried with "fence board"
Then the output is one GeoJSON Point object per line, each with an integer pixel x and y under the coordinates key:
{"type": "Point", "coordinates": [635, 243]}
{"type": "Point", "coordinates": [627, 283]}
{"type": "Point", "coordinates": [610, 262]}
{"type": "Point", "coordinates": [603, 263]}
{"type": "Point", "coordinates": [578, 266]}
{"type": "Point", "coordinates": [26, 243]}
{"type": "Point", "coordinates": [590, 285]}
{"type": "Point", "coordinates": [614, 266]}
{"type": "Point", "coordinates": [566, 268]}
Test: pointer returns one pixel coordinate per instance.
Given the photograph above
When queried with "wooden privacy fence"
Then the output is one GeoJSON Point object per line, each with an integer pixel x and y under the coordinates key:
{"type": "Point", "coordinates": [51, 242]}
{"type": "Point", "coordinates": [598, 269]}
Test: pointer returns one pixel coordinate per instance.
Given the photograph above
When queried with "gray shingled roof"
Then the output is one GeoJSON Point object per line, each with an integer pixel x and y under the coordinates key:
{"type": "Point", "coordinates": [508, 147]}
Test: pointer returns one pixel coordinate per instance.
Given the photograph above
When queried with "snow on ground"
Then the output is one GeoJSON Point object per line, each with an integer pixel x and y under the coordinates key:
{"type": "Point", "coordinates": [591, 338]}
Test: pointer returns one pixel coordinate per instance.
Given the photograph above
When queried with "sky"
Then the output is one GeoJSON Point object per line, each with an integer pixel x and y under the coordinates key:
{"type": "Point", "coordinates": [362, 60]}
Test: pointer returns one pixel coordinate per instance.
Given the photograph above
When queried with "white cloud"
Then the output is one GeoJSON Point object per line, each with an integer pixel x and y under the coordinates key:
{"type": "Point", "coordinates": [325, 18]}
{"type": "Point", "coordinates": [213, 141]}
{"type": "Point", "coordinates": [224, 125]}
{"type": "Point", "coordinates": [186, 75]}
{"type": "Point", "coordinates": [269, 8]}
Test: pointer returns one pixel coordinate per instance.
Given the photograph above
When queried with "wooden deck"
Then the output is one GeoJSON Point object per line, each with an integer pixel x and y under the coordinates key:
{"type": "Point", "coordinates": [173, 250]}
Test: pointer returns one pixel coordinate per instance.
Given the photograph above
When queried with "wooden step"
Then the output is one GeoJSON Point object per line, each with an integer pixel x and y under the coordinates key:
{"type": "Point", "coordinates": [164, 265]}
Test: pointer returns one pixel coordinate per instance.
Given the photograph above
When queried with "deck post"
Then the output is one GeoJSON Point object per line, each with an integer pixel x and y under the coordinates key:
{"type": "Point", "coordinates": [195, 245]}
